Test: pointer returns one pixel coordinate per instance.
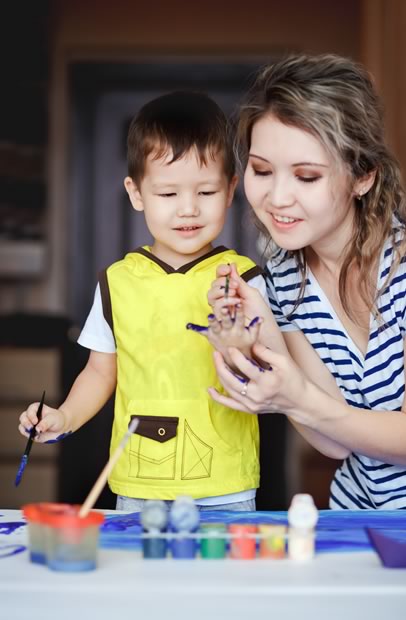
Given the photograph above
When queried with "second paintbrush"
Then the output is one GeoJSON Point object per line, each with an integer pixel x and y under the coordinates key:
{"type": "Point", "coordinates": [33, 432]}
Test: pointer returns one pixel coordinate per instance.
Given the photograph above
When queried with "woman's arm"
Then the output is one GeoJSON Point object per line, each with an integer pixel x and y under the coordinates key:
{"type": "Point", "coordinates": [287, 389]}
{"type": "Point", "coordinates": [316, 371]}
{"type": "Point", "coordinates": [292, 343]}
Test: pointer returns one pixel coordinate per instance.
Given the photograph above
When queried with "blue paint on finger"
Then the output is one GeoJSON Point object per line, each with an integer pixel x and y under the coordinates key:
{"type": "Point", "coordinates": [196, 328]}
{"type": "Point", "coordinates": [254, 363]}
{"type": "Point", "coordinates": [239, 377]}
{"type": "Point", "coordinates": [59, 438]}
{"type": "Point", "coordinates": [254, 321]}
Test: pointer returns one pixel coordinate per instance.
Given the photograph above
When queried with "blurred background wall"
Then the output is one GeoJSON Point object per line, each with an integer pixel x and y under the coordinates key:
{"type": "Point", "coordinates": [73, 73]}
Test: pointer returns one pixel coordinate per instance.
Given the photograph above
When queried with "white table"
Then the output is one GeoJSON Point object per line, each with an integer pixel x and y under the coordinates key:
{"type": "Point", "coordinates": [334, 585]}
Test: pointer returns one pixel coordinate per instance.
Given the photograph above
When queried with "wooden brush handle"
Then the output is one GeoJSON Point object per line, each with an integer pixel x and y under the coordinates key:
{"type": "Point", "coordinates": [108, 468]}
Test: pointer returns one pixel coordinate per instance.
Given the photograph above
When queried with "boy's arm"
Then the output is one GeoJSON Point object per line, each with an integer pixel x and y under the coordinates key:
{"type": "Point", "coordinates": [90, 391]}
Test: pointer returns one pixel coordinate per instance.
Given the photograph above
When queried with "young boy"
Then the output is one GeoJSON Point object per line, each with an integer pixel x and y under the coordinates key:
{"type": "Point", "coordinates": [182, 176]}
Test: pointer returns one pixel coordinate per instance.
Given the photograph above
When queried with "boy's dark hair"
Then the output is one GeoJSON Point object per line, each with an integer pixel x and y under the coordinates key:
{"type": "Point", "coordinates": [179, 121]}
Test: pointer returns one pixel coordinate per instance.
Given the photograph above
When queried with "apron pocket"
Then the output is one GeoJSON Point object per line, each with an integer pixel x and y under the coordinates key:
{"type": "Point", "coordinates": [153, 448]}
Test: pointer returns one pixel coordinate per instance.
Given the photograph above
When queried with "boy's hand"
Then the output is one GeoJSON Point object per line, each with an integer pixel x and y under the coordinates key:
{"type": "Point", "coordinates": [52, 427]}
{"type": "Point", "coordinates": [230, 331]}
{"type": "Point", "coordinates": [239, 292]}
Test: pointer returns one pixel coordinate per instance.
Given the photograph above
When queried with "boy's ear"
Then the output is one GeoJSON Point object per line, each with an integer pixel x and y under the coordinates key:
{"type": "Point", "coordinates": [231, 189]}
{"type": "Point", "coordinates": [134, 194]}
{"type": "Point", "coordinates": [364, 184]}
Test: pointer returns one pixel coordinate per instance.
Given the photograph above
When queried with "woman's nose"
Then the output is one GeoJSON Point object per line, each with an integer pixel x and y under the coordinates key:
{"type": "Point", "coordinates": [280, 194]}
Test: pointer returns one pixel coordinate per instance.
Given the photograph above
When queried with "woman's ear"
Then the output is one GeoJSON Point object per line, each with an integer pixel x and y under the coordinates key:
{"type": "Point", "coordinates": [134, 194]}
{"type": "Point", "coordinates": [364, 184]}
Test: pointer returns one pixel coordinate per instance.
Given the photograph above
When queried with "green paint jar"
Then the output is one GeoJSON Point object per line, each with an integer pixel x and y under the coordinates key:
{"type": "Point", "coordinates": [213, 541]}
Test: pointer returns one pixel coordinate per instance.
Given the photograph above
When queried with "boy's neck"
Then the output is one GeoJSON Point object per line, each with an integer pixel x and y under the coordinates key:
{"type": "Point", "coordinates": [175, 260]}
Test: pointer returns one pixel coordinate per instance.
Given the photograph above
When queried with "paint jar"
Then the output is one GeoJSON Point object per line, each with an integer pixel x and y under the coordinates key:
{"type": "Point", "coordinates": [302, 518]}
{"type": "Point", "coordinates": [71, 541]}
{"type": "Point", "coordinates": [184, 519]}
{"type": "Point", "coordinates": [34, 514]}
{"type": "Point", "coordinates": [272, 541]}
{"type": "Point", "coordinates": [154, 546]}
{"type": "Point", "coordinates": [213, 541]}
{"type": "Point", "coordinates": [36, 533]}
{"type": "Point", "coordinates": [154, 519]}
{"type": "Point", "coordinates": [243, 541]}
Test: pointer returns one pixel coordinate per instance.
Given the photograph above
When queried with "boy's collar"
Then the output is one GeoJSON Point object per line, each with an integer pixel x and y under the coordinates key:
{"type": "Point", "coordinates": [185, 268]}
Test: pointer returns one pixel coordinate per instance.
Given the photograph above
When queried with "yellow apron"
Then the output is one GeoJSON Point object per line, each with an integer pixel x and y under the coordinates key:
{"type": "Point", "coordinates": [186, 443]}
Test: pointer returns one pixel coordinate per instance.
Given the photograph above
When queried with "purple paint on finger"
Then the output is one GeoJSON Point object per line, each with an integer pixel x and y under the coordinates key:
{"type": "Point", "coordinates": [254, 321]}
{"type": "Point", "coordinates": [240, 379]}
{"type": "Point", "coordinates": [59, 438]}
{"type": "Point", "coordinates": [254, 363]}
{"type": "Point", "coordinates": [196, 328]}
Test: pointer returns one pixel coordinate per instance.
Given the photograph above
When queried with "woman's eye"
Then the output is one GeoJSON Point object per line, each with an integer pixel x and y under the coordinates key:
{"type": "Point", "coordinates": [207, 193]}
{"type": "Point", "coordinates": [261, 173]}
{"type": "Point", "coordinates": [308, 179]}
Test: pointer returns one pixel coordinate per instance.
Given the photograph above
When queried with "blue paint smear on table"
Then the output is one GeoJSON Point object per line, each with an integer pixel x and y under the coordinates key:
{"type": "Point", "coordinates": [7, 551]}
{"type": "Point", "coordinates": [11, 526]}
{"type": "Point", "coordinates": [341, 530]}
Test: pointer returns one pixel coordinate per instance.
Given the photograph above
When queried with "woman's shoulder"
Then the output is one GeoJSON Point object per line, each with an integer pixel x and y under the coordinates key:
{"type": "Point", "coordinates": [281, 264]}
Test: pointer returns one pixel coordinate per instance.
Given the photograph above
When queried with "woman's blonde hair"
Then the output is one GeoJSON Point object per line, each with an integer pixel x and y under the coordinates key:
{"type": "Point", "coordinates": [334, 99]}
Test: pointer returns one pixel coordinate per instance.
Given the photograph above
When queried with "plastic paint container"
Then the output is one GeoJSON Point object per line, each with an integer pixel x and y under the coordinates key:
{"type": "Point", "coordinates": [71, 541]}
{"type": "Point", "coordinates": [272, 541]}
{"type": "Point", "coordinates": [154, 547]}
{"type": "Point", "coordinates": [243, 541]}
{"type": "Point", "coordinates": [36, 534]}
{"type": "Point", "coordinates": [184, 548]}
{"type": "Point", "coordinates": [213, 541]}
{"type": "Point", "coordinates": [34, 514]}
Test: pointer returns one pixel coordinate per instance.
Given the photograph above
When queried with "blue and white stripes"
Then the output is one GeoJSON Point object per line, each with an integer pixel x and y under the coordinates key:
{"type": "Point", "coordinates": [376, 382]}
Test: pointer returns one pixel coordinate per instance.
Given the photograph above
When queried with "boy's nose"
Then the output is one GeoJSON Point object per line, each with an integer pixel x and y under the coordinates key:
{"type": "Point", "coordinates": [188, 207]}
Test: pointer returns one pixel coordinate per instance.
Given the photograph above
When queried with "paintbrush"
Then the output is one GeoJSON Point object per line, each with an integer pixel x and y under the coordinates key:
{"type": "Point", "coordinates": [226, 292]}
{"type": "Point", "coordinates": [33, 432]}
{"type": "Point", "coordinates": [108, 468]}
{"type": "Point", "coordinates": [227, 286]}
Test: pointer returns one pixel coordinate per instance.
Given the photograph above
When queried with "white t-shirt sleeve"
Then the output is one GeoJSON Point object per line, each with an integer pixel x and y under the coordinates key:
{"type": "Point", "coordinates": [259, 283]}
{"type": "Point", "coordinates": [96, 333]}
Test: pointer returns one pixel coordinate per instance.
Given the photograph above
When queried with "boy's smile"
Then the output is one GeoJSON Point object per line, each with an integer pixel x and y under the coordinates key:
{"type": "Point", "coordinates": [184, 202]}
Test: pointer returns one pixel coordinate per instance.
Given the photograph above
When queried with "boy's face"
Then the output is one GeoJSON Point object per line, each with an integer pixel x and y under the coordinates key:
{"type": "Point", "coordinates": [184, 203]}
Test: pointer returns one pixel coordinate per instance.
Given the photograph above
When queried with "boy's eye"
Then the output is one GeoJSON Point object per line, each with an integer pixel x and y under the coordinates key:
{"type": "Point", "coordinates": [167, 195]}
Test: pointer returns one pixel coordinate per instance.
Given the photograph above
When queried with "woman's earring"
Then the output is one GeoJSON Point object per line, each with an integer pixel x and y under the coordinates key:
{"type": "Point", "coordinates": [360, 194]}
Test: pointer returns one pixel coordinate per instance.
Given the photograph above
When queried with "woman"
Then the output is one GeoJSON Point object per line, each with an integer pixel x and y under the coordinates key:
{"type": "Point", "coordinates": [328, 196]}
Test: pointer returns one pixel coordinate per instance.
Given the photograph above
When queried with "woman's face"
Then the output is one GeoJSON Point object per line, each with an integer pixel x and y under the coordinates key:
{"type": "Point", "coordinates": [296, 190]}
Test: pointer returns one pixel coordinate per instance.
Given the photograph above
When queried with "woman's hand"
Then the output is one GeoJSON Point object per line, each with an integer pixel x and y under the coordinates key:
{"type": "Point", "coordinates": [280, 389]}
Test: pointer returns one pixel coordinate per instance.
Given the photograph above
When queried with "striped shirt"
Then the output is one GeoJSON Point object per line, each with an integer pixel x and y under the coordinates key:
{"type": "Point", "coordinates": [374, 382]}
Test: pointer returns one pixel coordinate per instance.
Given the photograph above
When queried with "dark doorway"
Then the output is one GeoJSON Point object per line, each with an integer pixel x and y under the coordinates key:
{"type": "Point", "coordinates": [103, 227]}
